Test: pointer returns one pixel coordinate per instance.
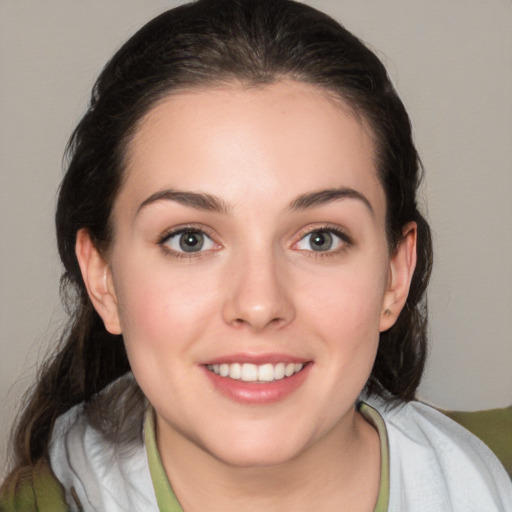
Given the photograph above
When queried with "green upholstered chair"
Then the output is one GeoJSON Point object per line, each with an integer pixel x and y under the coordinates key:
{"type": "Point", "coordinates": [493, 427]}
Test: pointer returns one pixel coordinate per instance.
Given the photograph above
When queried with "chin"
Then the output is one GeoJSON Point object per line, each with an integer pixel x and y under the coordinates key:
{"type": "Point", "coordinates": [247, 459]}
{"type": "Point", "coordinates": [256, 452]}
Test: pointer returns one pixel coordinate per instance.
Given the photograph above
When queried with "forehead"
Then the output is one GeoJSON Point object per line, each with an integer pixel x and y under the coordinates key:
{"type": "Point", "coordinates": [234, 141]}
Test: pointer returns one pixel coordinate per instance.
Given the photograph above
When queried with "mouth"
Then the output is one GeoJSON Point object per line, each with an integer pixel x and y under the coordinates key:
{"type": "Point", "coordinates": [257, 380]}
{"type": "Point", "coordinates": [258, 373]}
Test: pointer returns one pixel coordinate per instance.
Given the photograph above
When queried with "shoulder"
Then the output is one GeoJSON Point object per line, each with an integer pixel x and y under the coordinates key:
{"type": "Point", "coordinates": [433, 457]}
{"type": "Point", "coordinates": [101, 460]}
{"type": "Point", "coordinates": [33, 489]}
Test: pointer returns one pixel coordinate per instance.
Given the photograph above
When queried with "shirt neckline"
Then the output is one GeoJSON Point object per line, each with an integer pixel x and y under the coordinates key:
{"type": "Point", "coordinates": [167, 501]}
{"type": "Point", "coordinates": [372, 416]}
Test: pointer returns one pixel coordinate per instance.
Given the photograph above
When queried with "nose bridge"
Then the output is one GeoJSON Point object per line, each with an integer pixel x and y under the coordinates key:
{"type": "Point", "coordinates": [257, 296]}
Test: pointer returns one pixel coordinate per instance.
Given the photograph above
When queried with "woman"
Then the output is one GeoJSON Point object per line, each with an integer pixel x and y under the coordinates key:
{"type": "Point", "coordinates": [239, 226]}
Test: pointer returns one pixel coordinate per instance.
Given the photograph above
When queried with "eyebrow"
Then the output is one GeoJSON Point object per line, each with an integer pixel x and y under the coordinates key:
{"type": "Point", "coordinates": [208, 202]}
{"type": "Point", "coordinates": [199, 201]}
{"type": "Point", "coordinates": [321, 197]}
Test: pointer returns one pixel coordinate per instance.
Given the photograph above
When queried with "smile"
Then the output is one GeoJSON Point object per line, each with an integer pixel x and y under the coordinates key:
{"type": "Point", "coordinates": [248, 372]}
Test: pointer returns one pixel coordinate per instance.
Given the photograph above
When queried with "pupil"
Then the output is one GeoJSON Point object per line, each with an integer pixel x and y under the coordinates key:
{"type": "Point", "coordinates": [321, 241]}
{"type": "Point", "coordinates": [191, 242]}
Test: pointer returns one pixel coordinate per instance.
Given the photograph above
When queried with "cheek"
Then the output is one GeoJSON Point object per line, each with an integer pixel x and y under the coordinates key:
{"type": "Point", "coordinates": [162, 311]}
{"type": "Point", "coordinates": [350, 298]}
{"type": "Point", "coordinates": [344, 310]}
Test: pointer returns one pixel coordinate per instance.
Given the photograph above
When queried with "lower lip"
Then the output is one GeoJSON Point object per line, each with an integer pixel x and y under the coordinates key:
{"type": "Point", "coordinates": [258, 393]}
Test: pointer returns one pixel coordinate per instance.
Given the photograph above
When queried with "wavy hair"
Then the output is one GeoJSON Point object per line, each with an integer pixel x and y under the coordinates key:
{"type": "Point", "coordinates": [200, 44]}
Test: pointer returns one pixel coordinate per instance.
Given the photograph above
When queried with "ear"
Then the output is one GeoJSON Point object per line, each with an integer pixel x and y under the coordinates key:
{"type": "Point", "coordinates": [401, 270]}
{"type": "Point", "coordinates": [98, 280]}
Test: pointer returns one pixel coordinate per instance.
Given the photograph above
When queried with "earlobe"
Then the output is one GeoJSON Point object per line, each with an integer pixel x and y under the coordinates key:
{"type": "Point", "coordinates": [98, 280]}
{"type": "Point", "coordinates": [401, 270]}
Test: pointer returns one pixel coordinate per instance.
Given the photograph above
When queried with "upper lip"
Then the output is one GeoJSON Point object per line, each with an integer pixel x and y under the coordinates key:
{"type": "Point", "coordinates": [257, 359]}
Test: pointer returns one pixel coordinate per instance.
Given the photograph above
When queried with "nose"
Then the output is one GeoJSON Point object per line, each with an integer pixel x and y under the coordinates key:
{"type": "Point", "coordinates": [258, 294]}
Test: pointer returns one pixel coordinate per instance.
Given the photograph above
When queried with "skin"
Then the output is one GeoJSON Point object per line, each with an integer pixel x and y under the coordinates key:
{"type": "Point", "coordinates": [258, 288]}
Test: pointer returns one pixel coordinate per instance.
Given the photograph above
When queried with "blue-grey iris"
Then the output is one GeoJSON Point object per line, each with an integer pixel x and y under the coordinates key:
{"type": "Point", "coordinates": [191, 241]}
{"type": "Point", "coordinates": [320, 241]}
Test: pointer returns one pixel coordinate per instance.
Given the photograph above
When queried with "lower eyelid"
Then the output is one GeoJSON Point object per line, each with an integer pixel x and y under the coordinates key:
{"type": "Point", "coordinates": [338, 243]}
{"type": "Point", "coordinates": [343, 238]}
{"type": "Point", "coordinates": [175, 237]}
{"type": "Point", "coordinates": [343, 241]}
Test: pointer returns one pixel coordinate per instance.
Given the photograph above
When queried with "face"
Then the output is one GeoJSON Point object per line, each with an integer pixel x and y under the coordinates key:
{"type": "Point", "coordinates": [250, 269]}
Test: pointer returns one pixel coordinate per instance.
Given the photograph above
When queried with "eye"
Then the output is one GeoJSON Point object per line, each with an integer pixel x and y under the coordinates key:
{"type": "Point", "coordinates": [188, 241]}
{"type": "Point", "coordinates": [322, 240]}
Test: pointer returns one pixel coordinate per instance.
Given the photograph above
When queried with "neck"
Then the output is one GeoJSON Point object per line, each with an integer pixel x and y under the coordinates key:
{"type": "Point", "coordinates": [340, 469]}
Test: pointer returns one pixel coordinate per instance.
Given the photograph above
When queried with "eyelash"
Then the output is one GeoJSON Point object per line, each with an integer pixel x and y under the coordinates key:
{"type": "Point", "coordinates": [175, 232]}
{"type": "Point", "coordinates": [345, 240]}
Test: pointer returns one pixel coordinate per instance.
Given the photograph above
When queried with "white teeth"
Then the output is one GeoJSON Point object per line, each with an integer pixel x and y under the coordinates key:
{"type": "Point", "coordinates": [248, 372]}
{"type": "Point", "coordinates": [266, 373]}
{"type": "Point", "coordinates": [279, 371]}
{"type": "Point", "coordinates": [235, 371]}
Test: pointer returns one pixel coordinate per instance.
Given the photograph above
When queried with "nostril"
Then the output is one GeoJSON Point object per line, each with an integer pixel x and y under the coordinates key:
{"type": "Point", "coordinates": [258, 325]}
{"type": "Point", "coordinates": [257, 301]}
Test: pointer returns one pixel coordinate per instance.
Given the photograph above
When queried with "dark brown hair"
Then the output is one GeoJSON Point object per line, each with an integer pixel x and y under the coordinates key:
{"type": "Point", "coordinates": [209, 42]}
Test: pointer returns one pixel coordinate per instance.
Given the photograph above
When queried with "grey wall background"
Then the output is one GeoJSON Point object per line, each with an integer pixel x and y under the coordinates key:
{"type": "Point", "coordinates": [451, 62]}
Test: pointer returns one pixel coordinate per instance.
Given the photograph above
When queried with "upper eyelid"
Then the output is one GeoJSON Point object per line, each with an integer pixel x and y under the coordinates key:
{"type": "Point", "coordinates": [177, 230]}
{"type": "Point", "coordinates": [163, 243]}
{"type": "Point", "coordinates": [337, 230]}
{"type": "Point", "coordinates": [206, 230]}
{"type": "Point", "coordinates": [345, 242]}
